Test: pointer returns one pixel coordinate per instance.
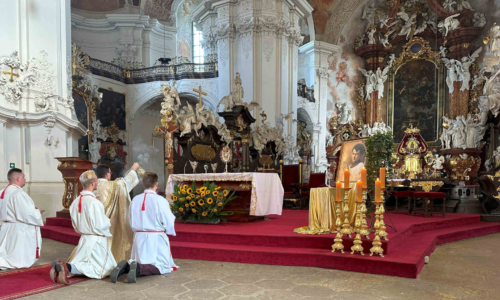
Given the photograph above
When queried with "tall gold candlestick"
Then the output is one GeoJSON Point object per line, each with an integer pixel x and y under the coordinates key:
{"type": "Point", "coordinates": [364, 225]}
{"type": "Point", "coordinates": [377, 244]}
{"type": "Point", "coordinates": [338, 238]}
{"type": "Point", "coordinates": [346, 226]}
{"type": "Point", "coordinates": [382, 233]}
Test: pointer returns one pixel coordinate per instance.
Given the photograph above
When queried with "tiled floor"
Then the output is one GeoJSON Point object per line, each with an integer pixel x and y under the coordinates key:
{"type": "Point", "coordinates": [462, 270]}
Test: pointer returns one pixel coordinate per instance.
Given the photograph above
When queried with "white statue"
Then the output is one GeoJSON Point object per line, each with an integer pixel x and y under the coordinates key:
{"type": "Point", "coordinates": [188, 120]}
{"type": "Point", "coordinates": [225, 134]}
{"type": "Point", "coordinates": [237, 90]}
{"type": "Point", "coordinates": [227, 101]}
{"type": "Point", "coordinates": [458, 133]}
{"type": "Point", "coordinates": [384, 40]}
{"type": "Point", "coordinates": [392, 59]}
{"type": "Point", "coordinates": [479, 19]}
{"type": "Point", "coordinates": [384, 19]}
{"type": "Point", "coordinates": [496, 157]}
{"type": "Point", "coordinates": [365, 131]}
{"type": "Point", "coordinates": [371, 37]}
{"type": "Point", "coordinates": [464, 72]}
{"type": "Point", "coordinates": [448, 5]}
{"type": "Point", "coordinates": [442, 51]}
{"type": "Point", "coordinates": [369, 13]}
{"type": "Point", "coordinates": [94, 148]}
{"type": "Point", "coordinates": [452, 65]}
{"type": "Point", "coordinates": [464, 4]}
{"type": "Point", "coordinates": [329, 140]}
{"type": "Point", "coordinates": [494, 43]}
{"type": "Point", "coordinates": [344, 115]}
{"type": "Point", "coordinates": [371, 82]}
{"type": "Point", "coordinates": [381, 78]}
{"type": "Point", "coordinates": [409, 21]}
{"type": "Point", "coordinates": [438, 162]}
{"type": "Point", "coordinates": [449, 24]}
{"type": "Point", "coordinates": [171, 101]}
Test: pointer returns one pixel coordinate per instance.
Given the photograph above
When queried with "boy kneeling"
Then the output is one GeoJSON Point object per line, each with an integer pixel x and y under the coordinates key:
{"type": "Point", "coordinates": [151, 220]}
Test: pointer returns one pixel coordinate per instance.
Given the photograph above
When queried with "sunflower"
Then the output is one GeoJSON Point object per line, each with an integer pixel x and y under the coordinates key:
{"type": "Point", "coordinates": [219, 197]}
{"type": "Point", "coordinates": [215, 193]}
{"type": "Point", "coordinates": [184, 186]}
{"type": "Point", "coordinates": [174, 197]}
{"type": "Point", "coordinates": [188, 198]}
{"type": "Point", "coordinates": [225, 192]}
{"type": "Point", "coordinates": [192, 203]}
{"type": "Point", "coordinates": [201, 202]}
{"type": "Point", "coordinates": [182, 199]}
{"type": "Point", "coordinates": [192, 196]}
{"type": "Point", "coordinates": [215, 209]}
{"type": "Point", "coordinates": [187, 205]}
{"type": "Point", "coordinates": [183, 191]}
{"type": "Point", "coordinates": [210, 201]}
{"type": "Point", "coordinates": [189, 190]}
{"type": "Point", "coordinates": [203, 189]}
{"type": "Point", "coordinates": [197, 196]}
{"type": "Point", "coordinates": [181, 209]}
{"type": "Point", "coordinates": [204, 213]}
{"type": "Point", "coordinates": [197, 191]}
{"type": "Point", "coordinates": [217, 188]}
{"type": "Point", "coordinates": [203, 194]}
{"type": "Point", "coordinates": [193, 210]}
{"type": "Point", "coordinates": [220, 203]}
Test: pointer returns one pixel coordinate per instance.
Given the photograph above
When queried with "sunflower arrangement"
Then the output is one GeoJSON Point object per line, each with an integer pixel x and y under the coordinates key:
{"type": "Point", "coordinates": [201, 205]}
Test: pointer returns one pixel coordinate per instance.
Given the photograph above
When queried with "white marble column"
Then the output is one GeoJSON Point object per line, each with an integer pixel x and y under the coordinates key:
{"type": "Point", "coordinates": [316, 59]}
{"type": "Point", "coordinates": [259, 39]}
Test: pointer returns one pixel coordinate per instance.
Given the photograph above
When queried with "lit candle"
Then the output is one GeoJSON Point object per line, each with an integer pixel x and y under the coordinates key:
{"type": "Point", "coordinates": [346, 179]}
{"type": "Point", "coordinates": [382, 177]}
{"type": "Point", "coordinates": [359, 191]}
{"type": "Point", "coordinates": [363, 177]}
{"type": "Point", "coordinates": [378, 186]}
{"type": "Point", "coordinates": [338, 190]}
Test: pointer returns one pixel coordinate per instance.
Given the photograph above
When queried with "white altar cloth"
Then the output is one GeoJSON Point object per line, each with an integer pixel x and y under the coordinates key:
{"type": "Point", "coordinates": [267, 190]}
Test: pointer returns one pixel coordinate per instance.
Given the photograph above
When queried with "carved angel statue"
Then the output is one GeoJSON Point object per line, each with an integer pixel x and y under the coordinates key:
{"type": "Point", "coordinates": [225, 134]}
{"type": "Point", "coordinates": [369, 13]}
{"type": "Point", "coordinates": [186, 7]}
{"type": "Point", "coordinates": [94, 148]}
{"type": "Point", "coordinates": [448, 5]}
{"type": "Point", "coordinates": [188, 120]}
{"type": "Point", "coordinates": [365, 131]}
{"type": "Point", "coordinates": [464, 4]}
{"type": "Point", "coordinates": [259, 140]}
{"type": "Point", "coordinates": [384, 40]}
{"type": "Point", "coordinates": [381, 78]}
{"type": "Point", "coordinates": [193, 164]}
{"type": "Point", "coordinates": [452, 65]}
{"type": "Point", "coordinates": [409, 21]}
{"type": "Point", "coordinates": [170, 97]}
{"type": "Point", "coordinates": [392, 59]}
{"type": "Point", "coordinates": [344, 115]}
{"type": "Point", "coordinates": [371, 36]}
{"type": "Point", "coordinates": [384, 19]}
{"type": "Point", "coordinates": [371, 82]}
{"type": "Point", "coordinates": [254, 104]}
{"type": "Point", "coordinates": [428, 20]}
{"type": "Point", "coordinates": [438, 162]}
{"type": "Point", "coordinates": [463, 72]}
{"type": "Point", "coordinates": [442, 51]}
{"type": "Point", "coordinates": [227, 101]}
{"type": "Point", "coordinates": [449, 24]}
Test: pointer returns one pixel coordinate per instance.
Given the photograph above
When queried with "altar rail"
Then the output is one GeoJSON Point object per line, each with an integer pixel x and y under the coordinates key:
{"type": "Point", "coordinates": [156, 73]}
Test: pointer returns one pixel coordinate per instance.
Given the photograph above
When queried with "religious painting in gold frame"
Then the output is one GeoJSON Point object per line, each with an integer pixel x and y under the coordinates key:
{"type": "Point", "coordinates": [416, 93]}
{"type": "Point", "coordinates": [353, 158]}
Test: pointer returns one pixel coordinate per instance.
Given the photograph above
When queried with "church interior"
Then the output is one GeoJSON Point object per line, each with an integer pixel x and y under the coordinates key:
{"type": "Point", "coordinates": [308, 149]}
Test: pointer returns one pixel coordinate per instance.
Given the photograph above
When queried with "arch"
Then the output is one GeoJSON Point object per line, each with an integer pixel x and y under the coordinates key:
{"type": "Point", "coordinates": [185, 88]}
{"type": "Point", "coordinates": [307, 118]}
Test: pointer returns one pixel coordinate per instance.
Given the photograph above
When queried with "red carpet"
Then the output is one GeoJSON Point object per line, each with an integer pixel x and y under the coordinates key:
{"type": "Point", "coordinates": [273, 242]}
{"type": "Point", "coordinates": [25, 282]}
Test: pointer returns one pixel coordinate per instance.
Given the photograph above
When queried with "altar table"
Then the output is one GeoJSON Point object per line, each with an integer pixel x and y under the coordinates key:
{"type": "Point", "coordinates": [265, 189]}
{"type": "Point", "coordinates": [322, 210]}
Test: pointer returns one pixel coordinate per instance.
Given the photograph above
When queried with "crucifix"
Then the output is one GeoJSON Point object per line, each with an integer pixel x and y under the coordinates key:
{"type": "Point", "coordinates": [200, 92]}
{"type": "Point", "coordinates": [12, 74]}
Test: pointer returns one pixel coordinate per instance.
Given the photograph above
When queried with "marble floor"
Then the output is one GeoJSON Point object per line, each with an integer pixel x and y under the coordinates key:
{"type": "Point", "coordinates": [467, 269]}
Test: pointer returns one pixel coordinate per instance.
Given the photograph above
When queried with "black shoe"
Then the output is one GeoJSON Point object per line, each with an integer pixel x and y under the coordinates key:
{"type": "Point", "coordinates": [120, 269]}
{"type": "Point", "coordinates": [132, 274]}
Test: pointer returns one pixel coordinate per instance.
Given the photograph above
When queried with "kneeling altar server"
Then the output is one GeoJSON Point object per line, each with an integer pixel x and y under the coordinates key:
{"type": "Point", "coordinates": [20, 240]}
{"type": "Point", "coordinates": [93, 257]}
{"type": "Point", "coordinates": [151, 220]}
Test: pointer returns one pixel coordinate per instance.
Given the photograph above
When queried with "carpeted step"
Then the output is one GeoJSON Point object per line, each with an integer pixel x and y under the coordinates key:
{"type": "Point", "coordinates": [405, 261]}
{"type": "Point", "coordinates": [59, 222]}
{"type": "Point", "coordinates": [60, 233]}
{"type": "Point", "coordinates": [282, 237]}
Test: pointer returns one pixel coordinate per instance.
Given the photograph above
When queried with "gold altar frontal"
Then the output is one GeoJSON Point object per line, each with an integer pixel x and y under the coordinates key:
{"type": "Point", "coordinates": [322, 214]}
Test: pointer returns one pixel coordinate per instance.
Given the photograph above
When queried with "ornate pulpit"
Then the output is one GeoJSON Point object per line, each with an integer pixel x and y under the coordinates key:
{"type": "Point", "coordinates": [71, 168]}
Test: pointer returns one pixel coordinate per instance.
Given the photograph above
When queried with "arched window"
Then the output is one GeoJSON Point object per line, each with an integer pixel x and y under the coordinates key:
{"type": "Point", "coordinates": [198, 53]}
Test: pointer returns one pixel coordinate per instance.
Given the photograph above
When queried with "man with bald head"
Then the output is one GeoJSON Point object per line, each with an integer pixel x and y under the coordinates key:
{"type": "Point", "coordinates": [20, 240]}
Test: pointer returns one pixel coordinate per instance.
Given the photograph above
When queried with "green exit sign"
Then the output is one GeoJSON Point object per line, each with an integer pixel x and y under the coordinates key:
{"type": "Point", "coordinates": [12, 165]}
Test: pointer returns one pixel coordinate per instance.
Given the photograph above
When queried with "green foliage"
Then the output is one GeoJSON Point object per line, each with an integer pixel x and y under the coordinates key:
{"type": "Point", "coordinates": [378, 155]}
{"type": "Point", "coordinates": [203, 205]}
